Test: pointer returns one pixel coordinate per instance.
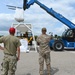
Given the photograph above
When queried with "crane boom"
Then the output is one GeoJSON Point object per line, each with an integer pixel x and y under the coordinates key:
{"type": "Point", "coordinates": [51, 12]}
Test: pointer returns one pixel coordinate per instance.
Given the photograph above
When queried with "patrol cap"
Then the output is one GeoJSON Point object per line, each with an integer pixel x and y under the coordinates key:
{"type": "Point", "coordinates": [44, 29]}
{"type": "Point", "coordinates": [12, 30]}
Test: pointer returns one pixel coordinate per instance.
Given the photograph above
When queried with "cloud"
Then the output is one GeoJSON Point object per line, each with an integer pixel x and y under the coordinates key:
{"type": "Point", "coordinates": [4, 32]}
{"type": "Point", "coordinates": [40, 18]}
{"type": "Point", "coordinates": [73, 21]}
{"type": "Point", "coordinates": [4, 16]}
{"type": "Point", "coordinates": [6, 21]}
{"type": "Point", "coordinates": [60, 30]}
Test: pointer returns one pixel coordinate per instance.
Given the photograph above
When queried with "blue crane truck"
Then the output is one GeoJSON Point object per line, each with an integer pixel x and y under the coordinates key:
{"type": "Point", "coordinates": [68, 36]}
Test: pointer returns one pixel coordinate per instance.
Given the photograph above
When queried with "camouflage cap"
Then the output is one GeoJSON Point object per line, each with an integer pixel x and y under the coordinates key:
{"type": "Point", "coordinates": [44, 29]}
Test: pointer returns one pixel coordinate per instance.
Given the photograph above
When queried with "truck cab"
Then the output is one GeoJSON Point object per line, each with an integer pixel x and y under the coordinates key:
{"type": "Point", "coordinates": [67, 41]}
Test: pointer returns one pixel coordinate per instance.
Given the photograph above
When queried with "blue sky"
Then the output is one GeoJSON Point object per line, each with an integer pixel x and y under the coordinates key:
{"type": "Point", "coordinates": [37, 16]}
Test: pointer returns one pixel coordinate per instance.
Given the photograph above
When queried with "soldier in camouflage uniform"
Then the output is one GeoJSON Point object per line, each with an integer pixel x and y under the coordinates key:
{"type": "Point", "coordinates": [11, 51]}
{"type": "Point", "coordinates": [44, 51]}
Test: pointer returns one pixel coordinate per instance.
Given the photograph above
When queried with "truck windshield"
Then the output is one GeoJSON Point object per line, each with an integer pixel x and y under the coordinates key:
{"type": "Point", "coordinates": [64, 33]}
{"type": "Point", "coordinates": [67, 33]}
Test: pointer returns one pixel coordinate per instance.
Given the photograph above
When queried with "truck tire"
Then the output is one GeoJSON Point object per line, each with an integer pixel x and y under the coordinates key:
{"type": "Point", "coordinates": [58, 46]}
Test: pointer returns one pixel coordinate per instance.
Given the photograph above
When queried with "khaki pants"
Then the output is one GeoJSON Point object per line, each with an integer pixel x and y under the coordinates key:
{"type": "Point", "coordinates": [9, 65]}
{"type": "Point", "coordinates": [46, 57]}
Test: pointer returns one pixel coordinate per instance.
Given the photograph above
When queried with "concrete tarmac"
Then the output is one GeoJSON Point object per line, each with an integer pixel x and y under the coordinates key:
{"type": "Point", "coordinates": [62, 63]}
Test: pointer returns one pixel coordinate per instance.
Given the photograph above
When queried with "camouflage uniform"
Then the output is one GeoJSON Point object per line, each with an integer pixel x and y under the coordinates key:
{"type": "Point", "coordinates": [10, 50]}
{"type": "Point", "coordinates": [44, 52]}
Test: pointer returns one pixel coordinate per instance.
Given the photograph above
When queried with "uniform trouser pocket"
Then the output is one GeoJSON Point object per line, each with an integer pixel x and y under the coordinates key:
{"type": "Point", "coordinates": [12, 65]}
